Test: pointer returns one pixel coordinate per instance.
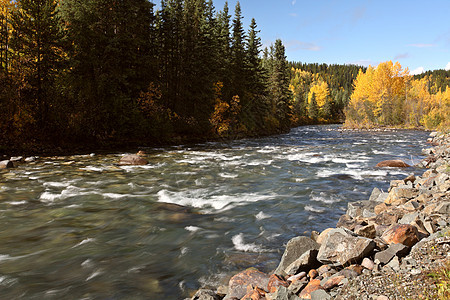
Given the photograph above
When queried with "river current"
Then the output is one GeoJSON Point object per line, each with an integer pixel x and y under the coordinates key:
{"type": "Point", "coordinates": [82, 227]}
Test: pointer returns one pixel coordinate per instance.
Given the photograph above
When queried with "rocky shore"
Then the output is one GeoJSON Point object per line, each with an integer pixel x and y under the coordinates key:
{"type": "Point", "coordinates": [382, 248]}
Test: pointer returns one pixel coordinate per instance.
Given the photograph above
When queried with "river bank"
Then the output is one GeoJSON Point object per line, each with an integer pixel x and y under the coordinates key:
{"type": "Point", "coordinates": [382, 248]}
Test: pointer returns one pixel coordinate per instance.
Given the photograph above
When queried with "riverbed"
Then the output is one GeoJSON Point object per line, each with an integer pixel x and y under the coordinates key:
{"type": "Point", "coordinates": [83, 227]}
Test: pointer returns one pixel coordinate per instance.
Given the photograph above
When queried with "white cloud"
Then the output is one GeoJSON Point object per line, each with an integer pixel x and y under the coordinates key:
{"type": "Point", "coordinates": [447, 67]}
{"type": "Point", "coordinates": [422, 45]}
{"type": "Point", "coordinates": [417, 71]}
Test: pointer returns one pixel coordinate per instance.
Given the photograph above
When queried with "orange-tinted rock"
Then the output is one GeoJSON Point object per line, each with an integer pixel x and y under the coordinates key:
{"type": "Point", "coordinates": [312, 286]}
{"type": "Point", "coordinates": [133, 160]}
{"type": "Point", "coordinates": [237, 286]}
{"type": "Point", "coordinates": [254, 294]}
{"type": "Point", "coordinates": [313, 273]}
{"type": "Point", "coordinates": [401, 234]}
{"type": "Point", "coordinates": [274, 282]}
{"type": "Point", "coordinates": [396, 163]}
{"type": "Point", "coordinates": [332, 282]}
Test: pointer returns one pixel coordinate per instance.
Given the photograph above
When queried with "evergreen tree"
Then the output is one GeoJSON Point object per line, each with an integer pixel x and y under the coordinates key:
{"type": "Point", "coordinates": [238, 54]}
{"type": "Point", "coordinates": [279, 84]}
{"type": "Point", "coordinates": [256, 76]}
{"type": "Point", "coordinates": [313, 110]}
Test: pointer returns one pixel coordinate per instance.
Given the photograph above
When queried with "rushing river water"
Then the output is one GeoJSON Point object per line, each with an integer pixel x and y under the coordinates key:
{"type": "Point", "coordinates": [82, 227]}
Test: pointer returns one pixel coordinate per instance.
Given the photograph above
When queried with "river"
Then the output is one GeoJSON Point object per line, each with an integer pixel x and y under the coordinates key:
{"type": "Point", "coordinates": [82, 227]}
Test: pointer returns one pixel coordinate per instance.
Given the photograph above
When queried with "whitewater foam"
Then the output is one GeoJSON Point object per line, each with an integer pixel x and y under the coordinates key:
{"type": "Point", "coordinates": [314, 209]}
{"type": "Point", "coordinates": [261, 216]}
{"type": "Point", "coordinates": [240, 245]}
{"type": "Point", "coordinates": [201, 198]}
{"type": "Point", "coordinates": [85, 241]}
{"type": "Point", "coordinates": [192, 228]}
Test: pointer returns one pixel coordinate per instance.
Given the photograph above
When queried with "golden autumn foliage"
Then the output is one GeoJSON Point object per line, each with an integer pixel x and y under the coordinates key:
{"type": "Point", "coordinates": [388, 96]}
{"type": "Point", "coordinates": [224, 115]}
{"type": "Point", "coordinates": [321, 91]}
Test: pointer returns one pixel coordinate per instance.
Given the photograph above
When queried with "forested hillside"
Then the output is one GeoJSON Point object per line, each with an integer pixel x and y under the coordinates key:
{"type": "Point", "coordinates": [95, 71]}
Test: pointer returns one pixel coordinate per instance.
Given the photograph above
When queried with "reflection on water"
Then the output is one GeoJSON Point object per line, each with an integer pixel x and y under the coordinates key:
{"type": "Point", "coordinates": [82, 227]}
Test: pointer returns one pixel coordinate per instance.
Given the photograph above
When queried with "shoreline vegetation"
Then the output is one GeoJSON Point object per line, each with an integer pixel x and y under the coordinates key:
{"type": "Point", "coordinates": [394, 245]}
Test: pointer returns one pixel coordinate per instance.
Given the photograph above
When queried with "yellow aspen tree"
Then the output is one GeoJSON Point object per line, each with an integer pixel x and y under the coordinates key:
{"type": "Point", "coordinates": [321, 91]}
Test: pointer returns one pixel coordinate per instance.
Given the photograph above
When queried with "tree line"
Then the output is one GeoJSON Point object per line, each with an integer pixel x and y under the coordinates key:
{"type": "Point", "coordinates": [388, 96]}
{"type": "Point", "coordinates": [110, 70]}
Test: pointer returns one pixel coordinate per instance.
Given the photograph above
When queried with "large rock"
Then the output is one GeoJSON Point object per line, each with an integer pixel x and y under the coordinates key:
{"type": "Point", "coordinates": [307, 261]}
{"type": "Point", "coordinates": [6, 164]}
{"type": "Point", "coordinates": [133, 160]}
{"type": "Point", "coordinates": [401, 234]}
{"type": "Point", "coordinates": [397, 163]}
{"type": "Point", "coordinates": [341, 247]}
{"type": "Point", "coordinates": [294, 249]}
{"type": "Point", "coordinates": [398, 193]}
{"type": "Point", "coordinates": [237, 286]}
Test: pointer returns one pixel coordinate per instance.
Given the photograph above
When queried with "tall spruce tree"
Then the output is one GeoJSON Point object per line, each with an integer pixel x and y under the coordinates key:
{"type": "Point", "coordinates": [279, 84]}
{"type": "Point", "coordinates": [238, 54]}
{"type": "Point", "coordinates": [256, 76]}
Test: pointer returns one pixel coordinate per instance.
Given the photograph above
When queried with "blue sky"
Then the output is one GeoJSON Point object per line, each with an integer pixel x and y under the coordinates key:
{"type": "Point", "coordinates": [415, 33]}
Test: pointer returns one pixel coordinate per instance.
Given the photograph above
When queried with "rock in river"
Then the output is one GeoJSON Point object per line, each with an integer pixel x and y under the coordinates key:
{"type": "Point", "coordinates": [6, 164]}
{"type": "Point", "coordinates": [396, 163]}
{"type": "Point", "coordinates": [133, 160]}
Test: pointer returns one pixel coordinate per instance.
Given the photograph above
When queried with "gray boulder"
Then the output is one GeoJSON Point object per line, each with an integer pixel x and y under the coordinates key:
{"type": "Point", "coordinates": [294, 250]}
{"type": "Point", "coordinates": [342, 247]}
{"type": "Point", "coordinates": [306, 262]}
